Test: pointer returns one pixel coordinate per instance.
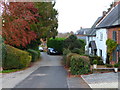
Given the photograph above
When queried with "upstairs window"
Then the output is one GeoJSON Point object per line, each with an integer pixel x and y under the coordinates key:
{"type": "Point", "coordinates": [101, 36]}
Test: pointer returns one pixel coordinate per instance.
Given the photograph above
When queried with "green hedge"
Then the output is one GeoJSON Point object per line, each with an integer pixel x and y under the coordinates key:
{"type": "Point", "coordinates": [79, 65]}
{"type": "Point", "coordinates": [2, 51]}
{"type": "Point", "coordinates": [35, 54]}
{"type": "Point", "coordinates": [16, 58]}
{"type": "Point", "coordinates": [56, 43]}
{"type": "Point", "coordinates": [72, 42]}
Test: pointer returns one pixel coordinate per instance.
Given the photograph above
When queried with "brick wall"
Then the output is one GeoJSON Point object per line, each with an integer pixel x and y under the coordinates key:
{"type": "Point", "coordinates": [110, 36]}
{"type": "Point", "coordinates": [110, 33]}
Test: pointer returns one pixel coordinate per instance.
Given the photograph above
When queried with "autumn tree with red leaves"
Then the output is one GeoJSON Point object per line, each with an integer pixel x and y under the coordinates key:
{"type": "Point", "coordinates": [18, 17]}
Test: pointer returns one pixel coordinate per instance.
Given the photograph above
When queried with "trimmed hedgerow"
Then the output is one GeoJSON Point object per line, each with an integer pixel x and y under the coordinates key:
{"type": "Point", "coordinates": [2, 50]}
{"type": "Point", "coordinates": [79, 65]}
{"type": "Point", "coordinates": [35, 54]}
{"type": "Point", "coordinates": [56, 43]}
{"type": "Point", "coordinates": [16, 58]}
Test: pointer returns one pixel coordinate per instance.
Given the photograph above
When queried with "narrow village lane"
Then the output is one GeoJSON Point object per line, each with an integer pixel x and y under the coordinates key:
{"type": "Point", "coordinates": [50, 74]}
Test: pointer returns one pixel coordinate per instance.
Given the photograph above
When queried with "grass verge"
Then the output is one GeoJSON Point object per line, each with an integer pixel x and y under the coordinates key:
{"type": "Point", "coordinates": [9, 71]}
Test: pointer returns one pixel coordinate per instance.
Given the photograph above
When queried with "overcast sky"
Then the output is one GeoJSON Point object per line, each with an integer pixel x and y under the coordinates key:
{"type": "Point", "coordinates": [74, 14]}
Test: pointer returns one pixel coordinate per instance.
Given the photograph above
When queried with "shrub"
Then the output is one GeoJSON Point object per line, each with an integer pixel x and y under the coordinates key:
{"type": "Point", "coordinates": [95, 62]}
{"type": "Point", "coordinates": [119, 65]}
{"type": "Point", "coordinates": [16, 58]}
{"type": "Point", "coordinates": [38, 51]}
{"type": "Point", "coordinates": [66, 51]}
{"type": "Point", "coordinates": [79, 65]}
{"type": "Point", "coordinates": [76, 50]}
{"type": "Point", "coordinates": [72, 42]}
{"type": "Point", "coordinates": [35, 54]}
{"type": "Point", "coordinates": [116, 65]}
{"type": "Point", "coordinates": [99, 59]}
{"type": "Point", "coordinates": [56, 43]}
{"type": "Point", "coordinates": [68, 58]}
{"type": "Point", "coordinates": [109, 65]}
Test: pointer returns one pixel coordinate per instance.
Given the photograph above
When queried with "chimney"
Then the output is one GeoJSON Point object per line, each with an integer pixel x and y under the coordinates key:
{"type": "Point", "coordinates": [116, 2]}
{"type": "Point", "coordinates": [104, 13]}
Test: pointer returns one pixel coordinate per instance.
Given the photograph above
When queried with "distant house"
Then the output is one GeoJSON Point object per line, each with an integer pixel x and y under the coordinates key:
{"type": "Point", "coordinates": [64, 35]}
{"type": "Point", "coordinates": [105, 27]}
{"type": "Point", "coordinates": [90, 47]}
{"type": "Point", "coordinates": [81, 34]}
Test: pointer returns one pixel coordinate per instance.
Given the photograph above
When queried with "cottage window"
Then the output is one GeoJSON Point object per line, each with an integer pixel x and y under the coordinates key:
{"type": "Point", "coordinates": [114, 36]}
{"type": "Point", "coordinates": [101, 36]}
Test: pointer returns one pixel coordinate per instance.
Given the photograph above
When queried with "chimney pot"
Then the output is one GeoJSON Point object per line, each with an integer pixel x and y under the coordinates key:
{"type": "Point", "coordinates": [104, 13]}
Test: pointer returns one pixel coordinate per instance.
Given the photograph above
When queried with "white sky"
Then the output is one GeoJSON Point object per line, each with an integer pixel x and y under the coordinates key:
{"type": "Point", "coordinates": [74, 14]}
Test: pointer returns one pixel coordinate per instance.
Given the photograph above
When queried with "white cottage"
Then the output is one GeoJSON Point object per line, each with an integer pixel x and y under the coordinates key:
{"type": "Point", "coordinates": [96, 40]}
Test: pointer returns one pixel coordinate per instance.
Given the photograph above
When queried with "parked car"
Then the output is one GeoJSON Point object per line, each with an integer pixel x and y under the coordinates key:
{"type": "Point", "coordinates": [41, 49]}
{"type": "Point", "coordinates": [51, 51]}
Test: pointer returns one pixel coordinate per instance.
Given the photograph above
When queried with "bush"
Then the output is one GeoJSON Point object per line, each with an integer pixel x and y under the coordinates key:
{"type": "Point", "coordinates": [76, 50]}
{"type": "Point", "coordinates": [95, 62]}
{"type": "Point", "coordinates": [66, 51]}
{"type": "Point", "coordinates": [35, 54]}
{"type": "Point", "coordinates": [38, 51]}
{"type": "Point", "coordinates": [16, 58]}
{"type": "Point", "coordinates": [116, 65]}
{"type": "Point", "coordinates": [109, 65]}
{"type": "Point", "coordinates": [72, 42]}
{"type": "Point", "coordinates": [99, 60]}
{"type": "Point", "coordinates": [56, 43]}
{"type": "Point", "coordinates": [68, 58]}
{"type": "Point", "coordinates": [79, 65]}
{"type": "Point", "coordinates": [119, 64]}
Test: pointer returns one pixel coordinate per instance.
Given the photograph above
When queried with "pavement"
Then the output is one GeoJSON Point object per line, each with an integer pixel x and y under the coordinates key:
{"type": "Point", "coordinates": [47, 73]}
{"type": "Point", "coordinates": [102, 80]}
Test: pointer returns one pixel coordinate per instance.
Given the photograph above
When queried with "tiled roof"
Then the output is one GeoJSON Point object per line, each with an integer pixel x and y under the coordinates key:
{"type": "Point", "coordinates": [93, 30]}
{"type": "Point", "coordinates": [83, 31]}
{"type": "Point", "coordinates": [112, 19]}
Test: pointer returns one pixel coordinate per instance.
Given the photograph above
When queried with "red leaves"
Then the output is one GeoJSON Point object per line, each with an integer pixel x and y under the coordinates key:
{"type": "Point", "coordinates": [18, 18]}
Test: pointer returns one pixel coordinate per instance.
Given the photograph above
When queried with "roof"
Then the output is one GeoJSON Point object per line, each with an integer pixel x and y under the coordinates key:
{"type": "Point", "coordinates": [112, 19]}
{"type": "Point", "coordinates": [93, 30]}
{"type": "Point", "coordinates": [89, 31]}
{"type": "Point", "coordinates": [83, 31]}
